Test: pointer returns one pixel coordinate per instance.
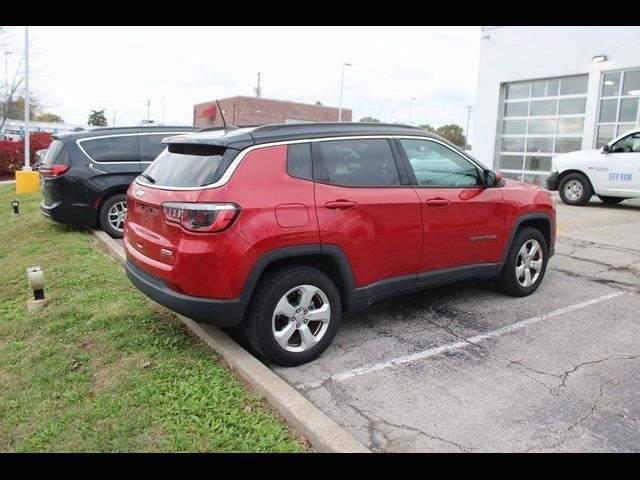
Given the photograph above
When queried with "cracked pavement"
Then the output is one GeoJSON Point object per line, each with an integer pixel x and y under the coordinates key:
{"type": "Point", "coordinates": [569, 382]}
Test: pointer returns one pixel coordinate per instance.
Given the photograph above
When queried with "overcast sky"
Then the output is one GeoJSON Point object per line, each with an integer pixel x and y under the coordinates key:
{"type": "Point", "coordinates": [76, 69]}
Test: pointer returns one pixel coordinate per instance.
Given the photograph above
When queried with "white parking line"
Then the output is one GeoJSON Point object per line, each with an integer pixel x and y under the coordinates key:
{"type": "Point", "coordinates": [432, 352]}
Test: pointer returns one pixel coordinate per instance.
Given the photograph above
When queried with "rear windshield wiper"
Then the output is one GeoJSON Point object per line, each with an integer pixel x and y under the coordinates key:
{"type": "Point", "coordinates": [148, 177]}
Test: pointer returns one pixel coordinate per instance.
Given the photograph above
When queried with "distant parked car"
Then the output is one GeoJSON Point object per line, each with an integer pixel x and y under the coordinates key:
{"type": "Point", "coordinates": [85, 175]}
{"type": "Point", "coordinates": [611, 172]}
{"type": "Point", "coordinates": [39, 156]}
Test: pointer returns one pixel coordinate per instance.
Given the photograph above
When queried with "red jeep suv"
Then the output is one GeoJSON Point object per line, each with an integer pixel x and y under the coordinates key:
{"type": "Point", "coordinates": [279, 229]}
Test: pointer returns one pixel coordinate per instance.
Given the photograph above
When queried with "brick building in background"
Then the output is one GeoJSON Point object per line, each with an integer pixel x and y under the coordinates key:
{"type": "Point", "coordinates": [257, 111]}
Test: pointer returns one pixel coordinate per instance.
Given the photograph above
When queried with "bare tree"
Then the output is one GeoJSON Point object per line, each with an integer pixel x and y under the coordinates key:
{"type": "Point", "coordinates": [14, 84]}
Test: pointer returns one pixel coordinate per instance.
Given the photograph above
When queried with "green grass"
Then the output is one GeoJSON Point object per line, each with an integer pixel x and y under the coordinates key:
{"type": "Point", "coordinates": [99, 369]}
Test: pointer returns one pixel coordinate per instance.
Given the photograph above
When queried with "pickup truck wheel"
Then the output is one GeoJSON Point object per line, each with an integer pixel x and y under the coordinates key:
{"type": "Point", "coordinates": [293, 315]}
{"type": "Point", "coordinates": [610, 200]}
{"type": "Point", "coordinates": [575, 189]}
{"type": "Point", "coordinates": [113, 212]}
{"type": "Point", "coordinates": [526, 263]}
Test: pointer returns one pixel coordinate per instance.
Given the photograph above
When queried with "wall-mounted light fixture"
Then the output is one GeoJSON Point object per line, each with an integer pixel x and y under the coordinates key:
{"type": "Point", "coordinates": [599, 59]}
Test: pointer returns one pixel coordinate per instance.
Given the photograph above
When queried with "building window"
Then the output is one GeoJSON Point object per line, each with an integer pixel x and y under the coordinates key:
{"type": "Point", "coordinates": [539, 119]}
{"type": "Point", "coordinates": [618, 109]}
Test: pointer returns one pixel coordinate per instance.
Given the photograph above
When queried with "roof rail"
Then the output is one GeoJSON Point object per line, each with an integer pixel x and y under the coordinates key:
{"type": "Point", "coordinates": [279, 126]}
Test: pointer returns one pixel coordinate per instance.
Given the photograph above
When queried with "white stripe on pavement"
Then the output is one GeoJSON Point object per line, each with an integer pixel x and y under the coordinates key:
{"type": "Point", "coordinates": [432, 352]}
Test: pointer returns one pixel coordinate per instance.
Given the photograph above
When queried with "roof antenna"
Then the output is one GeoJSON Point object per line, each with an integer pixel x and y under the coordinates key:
{"type": "Point", "coordinates": [224, 122]}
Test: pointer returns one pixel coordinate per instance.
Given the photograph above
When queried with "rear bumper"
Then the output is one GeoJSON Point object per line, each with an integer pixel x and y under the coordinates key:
{"type": "Point", "coordinates": [223, 313]}
{"type": "Point", "coordinates": [552, 181]}
{"type": "Point", "coordinates": [63, 213]}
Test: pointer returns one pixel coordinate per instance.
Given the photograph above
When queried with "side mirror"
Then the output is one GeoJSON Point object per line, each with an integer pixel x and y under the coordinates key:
{"type": "Point", "coordinates": [606, 149]}
{"type": "Point", "coordinates": [492, 179]}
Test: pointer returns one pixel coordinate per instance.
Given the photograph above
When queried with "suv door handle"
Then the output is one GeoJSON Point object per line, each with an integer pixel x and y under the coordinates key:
{"type": "Point", "coordinates": [438, 202]}
{"type": "Point", "coordinates": [340, 204]}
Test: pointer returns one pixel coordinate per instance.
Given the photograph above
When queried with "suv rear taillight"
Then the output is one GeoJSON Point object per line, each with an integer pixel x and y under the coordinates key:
{"type": "Point", "coordinates": [201, 217]}
{"type": "Point", "coordinates": [52, 170]}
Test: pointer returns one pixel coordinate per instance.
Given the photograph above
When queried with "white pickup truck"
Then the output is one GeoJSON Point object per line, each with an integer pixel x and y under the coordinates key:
{"type": "Point", "coordinates": [611, 172]}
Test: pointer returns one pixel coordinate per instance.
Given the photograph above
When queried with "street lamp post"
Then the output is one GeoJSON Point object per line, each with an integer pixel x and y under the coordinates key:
{"type": "Point", "coordinates": [341, 90]}
{"type": "Point", "coordinates": [466, 132]}
{"type": "Point", "coordinates": [410, 105]}
{"type": "Point", "coordinates": [27, 100]}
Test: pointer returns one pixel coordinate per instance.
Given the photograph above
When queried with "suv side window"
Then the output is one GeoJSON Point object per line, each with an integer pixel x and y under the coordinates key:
{"type": "Point", "coordinates": [435, 165]}
{"type": "Point", "coordinates": [362, 163]}
{"type": "Point", "coordinates": [113, 149]}
{"type": "Point", "coordinates": [151, 146]}
{"type": "Point", "coordinates": [630, 143]}
{"type": "Point", "coordinates": [299, 160]}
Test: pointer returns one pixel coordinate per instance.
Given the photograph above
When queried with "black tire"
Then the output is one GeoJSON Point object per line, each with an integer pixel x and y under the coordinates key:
{"type": "Point", "coordinates": [610, 200]}
{"type": "Point", "coordinates": [583, 181]}
{"type": "Point", "coordinates": [257, 327]}
{"type": "Point", "coordinates": [508, 279]}
{"type": "Point", "coordinates": [103, 215]}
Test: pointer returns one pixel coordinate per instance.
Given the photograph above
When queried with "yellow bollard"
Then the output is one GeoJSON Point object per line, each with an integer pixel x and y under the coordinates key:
{"type": "Point", "coordinates": [27, 181]}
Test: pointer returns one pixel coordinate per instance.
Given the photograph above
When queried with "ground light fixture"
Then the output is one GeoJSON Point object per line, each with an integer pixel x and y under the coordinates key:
{"type": "Point", "coordinates": [599, 58]}
{"type": "Point", "coordinates": [15, 203]}
{"type": "Point", "coordinates": [35, 277]}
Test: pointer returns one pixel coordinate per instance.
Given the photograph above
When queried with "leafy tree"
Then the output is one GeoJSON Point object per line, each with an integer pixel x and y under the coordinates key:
{"type": "Point", "coordinates": [369, 120]}
{"type": "Point", "coordinates": [428, 128]}
{"type": "Point", "coordinates": [453, 133]}
{"type": "Point", "coordinates": [14, 108]}
{"type": "Point", "coordinates": [97, 118]}
{"type": "Point", "coordinates": [49, 117]}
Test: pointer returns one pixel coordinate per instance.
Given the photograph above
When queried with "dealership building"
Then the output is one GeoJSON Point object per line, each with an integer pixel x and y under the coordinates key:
{"type": "Point", "coordinates": [242, 110]}
{"type": "Point", "coordinates": [543, 91]}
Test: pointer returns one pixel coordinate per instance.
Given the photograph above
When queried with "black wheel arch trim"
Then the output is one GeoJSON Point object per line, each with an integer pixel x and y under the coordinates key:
{"type": "Point", "coordinates": [519, 221]}
{"type": "Point", "coordinates": [285, 253]}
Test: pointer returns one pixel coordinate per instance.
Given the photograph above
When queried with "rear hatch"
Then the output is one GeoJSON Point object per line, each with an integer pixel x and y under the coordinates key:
{"type": "Point", "coordinates": [52, 167]}
{"type": "Point", "coordinates": [174, 179]}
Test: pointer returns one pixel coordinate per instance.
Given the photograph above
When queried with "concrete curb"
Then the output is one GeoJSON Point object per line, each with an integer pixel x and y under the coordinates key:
{"type": "Point", "coordinates": [324, 434]}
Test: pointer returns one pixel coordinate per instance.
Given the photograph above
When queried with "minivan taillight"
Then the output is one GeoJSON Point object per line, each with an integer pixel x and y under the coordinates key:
{"type": "Point", "coordinates": [201, 217]}
{"type": "Point", "coordinates": [53, 170]}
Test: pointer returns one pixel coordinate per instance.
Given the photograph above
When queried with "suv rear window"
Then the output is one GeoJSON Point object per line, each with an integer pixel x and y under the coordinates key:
{"type": "Point", "coordinates": [189, 166]}
{"type": "Point", "coordinates": [56, 154]}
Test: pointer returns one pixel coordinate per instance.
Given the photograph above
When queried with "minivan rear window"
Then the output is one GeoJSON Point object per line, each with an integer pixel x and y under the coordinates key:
{"type": "Point", "coordinates": [187, 166]}
{"type": "Point", "coordinates": [56, 154]}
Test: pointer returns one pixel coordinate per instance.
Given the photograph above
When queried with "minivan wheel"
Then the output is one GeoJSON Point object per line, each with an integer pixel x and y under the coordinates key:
{"type": "Point", "coordinates": [575, 189]}
{"type": "Point", "coordinates": [526, 263]}
{"type": "Point", "coordinates": [294, 314]}
{"type": "Point", "coordinates": [113, 213]}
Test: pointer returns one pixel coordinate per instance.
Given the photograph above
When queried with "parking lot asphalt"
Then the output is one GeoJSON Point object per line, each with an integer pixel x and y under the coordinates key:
{"type": "Point", "coordinates": [464, 368]}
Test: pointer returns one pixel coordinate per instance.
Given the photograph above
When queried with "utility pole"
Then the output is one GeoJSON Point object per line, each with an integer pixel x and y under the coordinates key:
{"type": "Point", "coordinates": [113, 123]}
{"type": "Point", "coordinates": [466, 132]}
{"type": "Point", "coordinates": [148, 117]}
{"type": "Point", "coordinates": [27, 101]}
{"type": "Point", "coordinates": [341, 90]}
{"type": "Point", "coordinates": [258, 89]}
{"type": "Point", "coordinates": [410, 105]}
